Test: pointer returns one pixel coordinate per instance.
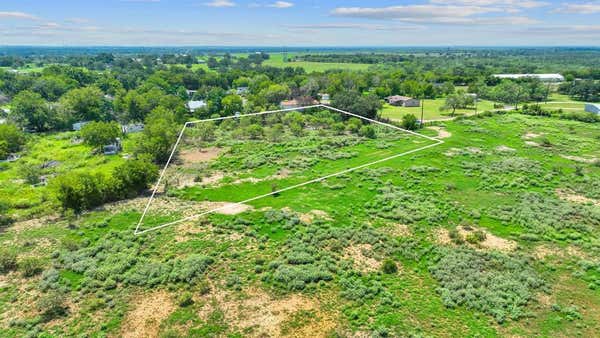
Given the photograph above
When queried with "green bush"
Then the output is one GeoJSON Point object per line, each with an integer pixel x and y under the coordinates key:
{"type": "Point", "coordinates": [367, 131]}
{"type": "Point", "coordinates": [410, 122]}
{"type": "Point", "coordinates": [389, 267]}
{"type": "Point", "coordinates": [99, 134]}
{"type": "Point", "coordinates": [52, 305]}
{"type": "Point", "coordinates": [494, 283]}
{"type": "Point", "coordinates": [30, 266]}
{"type": "Point", "coordinates": [8, 261]}
{"type": "Point", "coordinates": [185, 299]}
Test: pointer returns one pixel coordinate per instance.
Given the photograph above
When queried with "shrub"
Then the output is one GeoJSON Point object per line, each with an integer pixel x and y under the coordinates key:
{"type": "Point", "coordinates": [30, 266]}
{"type": "Point", "coordinates": [367, 131]}
{"type": "Point", "coordinates": [410, 122]}
{"type": "Point", "coordinates": [476, 237]}
{"type": "Point", "coordinates": [12, 140]}
{"type": "Point", "coordinates": [8, 261]}
{"type": "Point", "coordinates": [185, 299]}
{"type": "Point", "coordinates": [52, 305]}
{"type": "Point", "coordinates": [494, 283]}
{"type": "Point", "coordinates": [389, 267]}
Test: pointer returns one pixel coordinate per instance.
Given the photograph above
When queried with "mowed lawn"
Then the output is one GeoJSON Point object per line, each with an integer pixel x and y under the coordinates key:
{"type": "Point", "coordinates": [276, 60]}
{"type": "Point", "coordinates": [431, 110]}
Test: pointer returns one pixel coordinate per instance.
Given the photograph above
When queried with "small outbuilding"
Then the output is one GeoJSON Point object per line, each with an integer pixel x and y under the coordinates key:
{"type": "Point", "coordinates": [592, 108]}
{"type": "Point", "coordinates": [77, 126]}
{"type": "Point", "coordinates": [196, 105]}
{"type": "Point", "coordinates": [403, 101]}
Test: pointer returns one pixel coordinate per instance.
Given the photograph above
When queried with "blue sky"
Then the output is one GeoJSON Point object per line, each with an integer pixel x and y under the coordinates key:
{"type": "Point", "coordinates": [300, 23]}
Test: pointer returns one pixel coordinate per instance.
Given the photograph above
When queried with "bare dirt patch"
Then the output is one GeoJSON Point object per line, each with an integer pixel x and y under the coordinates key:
{"type": "Point", "coordinates": [575, 198]}
{"type": "Point", "coordinates": [226, 208]}
{"type": "Point", "coordinates": [544, 251]}
{"type": "Point", "coordinates": [148, 310]}
{"type": "Point", "coordinates": [33, 223]}
{"type": "Point", "coordinates": [192, 156]}
{"type": "Point", "coordinates": [491, 241]}
{"type": "Point", "coordinates": [531, 135]}
{"type": "Point", "coordinates": [397, 230]}
{"type": "Point", "coordinates": [588, 160]}
{"type": "Point", "coordinates": [261, 315]}
{"type": "Point", "coordinates": [532, 144]}
{"type": "Point", "coordinates": [309, 217]}
{"type": "Point", "coordinates": [442, 133]}
{"type": "Point", "coordinates": [504, 149]}
{"type": "Point", "coordinates": [362, 256]}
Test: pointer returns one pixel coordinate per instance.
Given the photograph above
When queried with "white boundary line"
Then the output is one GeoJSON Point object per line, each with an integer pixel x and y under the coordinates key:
{"type": "Point", "coordinates": [137, 228]}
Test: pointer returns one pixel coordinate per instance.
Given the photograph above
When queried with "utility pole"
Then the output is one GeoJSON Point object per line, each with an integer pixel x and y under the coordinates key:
{"type": "Point", "coordinates": [422, 110]}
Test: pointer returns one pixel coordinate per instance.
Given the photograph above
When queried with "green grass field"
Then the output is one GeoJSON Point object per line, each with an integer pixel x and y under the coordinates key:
{"type": "Point", "coordinates": [276, 60]}
{"type": "Point", "coordinates": [431, 110]}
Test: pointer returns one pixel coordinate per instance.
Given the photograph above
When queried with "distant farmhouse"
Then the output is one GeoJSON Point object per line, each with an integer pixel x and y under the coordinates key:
{"type": "Point", "coordinates": [195, 105]}
{"type": "Point", "coordinates": [541, 77]}
{"type": "Point", "coordinates": [242, 90]}
{"type": "Point", "coordinates": [403, 101]}
{"type": "Point", "coordinates": [291, 104]}
{"type": "Point", "coordinates": [325, 98]}
{"type": "Point", "coordinates": [77, 126]}
{"type": "Point", "coordinates": [592, 108]}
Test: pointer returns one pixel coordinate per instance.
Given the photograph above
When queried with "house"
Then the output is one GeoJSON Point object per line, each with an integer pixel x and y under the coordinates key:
{"type": "Point", "coordinates": [113, 148]}
{"type": "Point", "coordinates": [77, 126]}
{"type": "Point", "coordinates": [195, 105]}
{"type": "Point", "coordinates": [592, 108]}
{"type": "Point", "coordinates": [11, 158]}
{"type": "Point", "coordinates": [132, 128]}
{"type": "Point", "coordinates": [242, 90]}
{"type": "Point", "coordinates": [297, 103]}
{"type": "Point", "coordinates": [403, 101]}
{"type": "Point", "coordinates": [541, 77]}
{"type": "Point", "coordinates": [325, 98]}
{"type": "Point", "coordinates": [289, 104]}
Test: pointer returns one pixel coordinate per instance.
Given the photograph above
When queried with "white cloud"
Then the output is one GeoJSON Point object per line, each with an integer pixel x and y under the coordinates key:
{"type": "Point", "coordinates": [579, 8]}
{"type": "Point", "coordinates": [281, 4]}
{"type": "Point", "coordinates": [411, 11]}
{"type": "Point", "coordinates": [359, 26]}
{"type": "Point", "coordinates": [17, 15]}
{"type": "Point", "coordinates": [496, 3]}
{"type": "Point", "coordinates": [220, 3]}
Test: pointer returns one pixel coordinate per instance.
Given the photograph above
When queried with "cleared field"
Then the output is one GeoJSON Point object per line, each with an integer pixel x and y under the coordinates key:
{"type": "Point", "coordinates": [431, 110]}
{"type": "Point", "coordinates": [276, 60]}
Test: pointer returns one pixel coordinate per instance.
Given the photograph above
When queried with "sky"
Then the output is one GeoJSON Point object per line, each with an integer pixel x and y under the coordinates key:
{"type": "Point", "coordinates": [300, 23]}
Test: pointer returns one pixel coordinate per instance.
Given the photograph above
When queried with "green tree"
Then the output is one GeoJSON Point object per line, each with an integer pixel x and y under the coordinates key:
{"type": "Point", "coordinates": [86, 104]}
{"type": "Point", "coordinates": [509, 92]}
{"type": "Point", "coordinates": [356, 103]}
{"type": "Point", "coordinates": [410, 122]}
{"type": "Point", "coordinates": [30, 110]}
{"type": "Point", "coordinates": [453, 102]}
{"type": "Point", "coordinates": [231, 104]}
{"type": "Point", "coordinates": [160, 133]}
{"type": "Point", "coordinates": [133, 177]}
{"type": "Point", "coordinates": [276, 93]}
{"type": "Point", "coordinates": [11, 139]}
{"type": "Point", "coordinates": [99, 134]}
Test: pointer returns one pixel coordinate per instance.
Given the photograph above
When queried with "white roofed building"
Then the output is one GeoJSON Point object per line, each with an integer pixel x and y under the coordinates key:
{"type": "Point", "coordinates": [541, 77]}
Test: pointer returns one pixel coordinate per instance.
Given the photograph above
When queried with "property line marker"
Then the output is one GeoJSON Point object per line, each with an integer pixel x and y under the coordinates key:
{"type": "Point", "coordinates": [189, 218]}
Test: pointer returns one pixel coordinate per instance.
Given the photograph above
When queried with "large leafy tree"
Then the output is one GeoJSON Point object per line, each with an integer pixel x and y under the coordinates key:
{"type": "Point", "coordinates": [98, 134]}
{"type": "Point", "coordinates": [30, 110]}
{"type": "Point", "coordinates": [356, 103]}
{"type": "Point", "coordinates": [231, 104]}
{"type": "Point", "coordinates": [160, 134]}
{"type": "Point", "coordinates": [11, 139]}
{"type": "Point", "coordinates": [86, 104]}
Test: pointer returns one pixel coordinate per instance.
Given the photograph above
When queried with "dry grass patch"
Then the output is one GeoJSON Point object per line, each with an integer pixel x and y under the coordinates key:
{"type": "Point", "coordinates": [362, 256]}
{"type": "Point", "coordinates": [442, 132]}
{"type": "Point", "coordinates": [397, 230]}
{"type": "Point", "coordinates": [531, 135]}
{"type": "Point", "coordinates": [192, 156]}
{"type": "Point", "coordinates": [572, 197]}
{"type": "Point", "coordinates": [226, 208]}
{"type": "Point", "coordinates": [148, 311]}
{"type": "Point", "coordinates": [259, 314]}
{"type": "Point", "coordinates": [580, 159]}
{"type": "Point", "coordinates": [491, 242]}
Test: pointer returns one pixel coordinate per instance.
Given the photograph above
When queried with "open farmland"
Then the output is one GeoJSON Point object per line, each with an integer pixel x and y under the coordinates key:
{"type": "Point", "coordinates": [277, 60]}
